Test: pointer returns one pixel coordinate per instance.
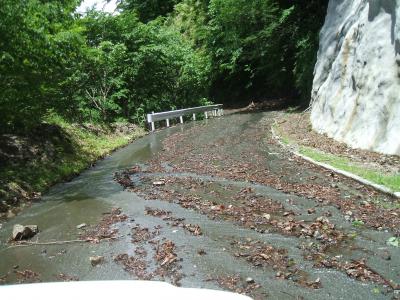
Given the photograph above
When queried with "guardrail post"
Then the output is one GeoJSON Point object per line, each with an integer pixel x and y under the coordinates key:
{"type": "Point", "coordinates": [153, 127]}
{"type": "Point", "coordinates": [194, 117]}
{"type": "Point", "coordinates": [206, 115]}
{"type": "Point", "coordinates": [167, 122]}
{"type": "Point", "coordinates": [181, 119]}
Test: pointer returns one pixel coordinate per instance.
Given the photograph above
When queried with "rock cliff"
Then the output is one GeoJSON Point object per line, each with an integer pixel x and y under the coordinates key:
{"type": "Point", "coordinates": [356, 88]}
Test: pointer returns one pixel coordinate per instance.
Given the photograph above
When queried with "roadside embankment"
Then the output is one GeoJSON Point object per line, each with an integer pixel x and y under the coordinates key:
{"type": "Point", "coordinates": [54, 151]}
{"type": "Point", "coordinates": [295, 131]}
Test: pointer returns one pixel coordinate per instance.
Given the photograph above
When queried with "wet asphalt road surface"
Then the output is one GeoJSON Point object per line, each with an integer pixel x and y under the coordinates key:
{"type": "Point", "coordinates": [213, 204]}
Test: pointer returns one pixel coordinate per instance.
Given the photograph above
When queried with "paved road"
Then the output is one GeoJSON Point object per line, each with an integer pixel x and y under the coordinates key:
{"type": "Point", "coordinates": [216, 204]}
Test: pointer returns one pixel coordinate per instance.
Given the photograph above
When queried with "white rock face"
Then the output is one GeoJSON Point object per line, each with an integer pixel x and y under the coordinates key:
{"type": "Point", "coordinates": [356, 88]}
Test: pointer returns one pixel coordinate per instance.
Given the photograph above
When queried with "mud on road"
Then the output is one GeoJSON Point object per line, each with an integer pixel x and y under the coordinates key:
{"type": "Point", "coordinates": [332, 231]}
{"type": "Point", "coordinates": [215, 204]}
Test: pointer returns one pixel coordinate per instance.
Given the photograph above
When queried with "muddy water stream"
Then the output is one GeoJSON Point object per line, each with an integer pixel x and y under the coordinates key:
{"type": "Point", "coordinates": [95, 192]}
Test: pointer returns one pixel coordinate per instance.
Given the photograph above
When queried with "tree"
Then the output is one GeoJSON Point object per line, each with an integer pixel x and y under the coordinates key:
{"type": "Point", "coordinates": [148, 10]}
{"type": "Point", "coordinates": [30, 59]}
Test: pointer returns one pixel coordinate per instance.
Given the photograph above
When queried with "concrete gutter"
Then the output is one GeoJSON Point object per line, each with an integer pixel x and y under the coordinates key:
{"type": "Point", "coordinates": [355, 177]}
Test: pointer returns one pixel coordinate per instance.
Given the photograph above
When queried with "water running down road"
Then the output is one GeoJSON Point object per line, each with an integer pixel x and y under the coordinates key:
{"type": "Point", "coordinates": [231, 204]}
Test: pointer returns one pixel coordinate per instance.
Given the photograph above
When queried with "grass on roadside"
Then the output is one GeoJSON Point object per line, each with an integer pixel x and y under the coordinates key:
{"type": "Point", "coordinates": [391, 181]}
{"type": "Point", "coordinates": [80, 149]}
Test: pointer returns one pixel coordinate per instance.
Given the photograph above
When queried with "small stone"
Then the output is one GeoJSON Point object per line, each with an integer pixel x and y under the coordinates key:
{"type": "Point", "coordinates": [250, 280]}
{"type": "Point", "coordinates": [159, 183]}
{"type": "Point", "coordinates": [21, 232]}
{"type": "Point", "coordinates": [201, 252]}
{"type": "Point", "coordinates": [267, 216]}
{"type": "Point", "coordinates": [311, 211]}
{"type": "Point", "coordinates": [80, 226]}
{"type": "Point", "coordinates": [386, 255]}
{"type": "Point", "coordinates": [96, 260]}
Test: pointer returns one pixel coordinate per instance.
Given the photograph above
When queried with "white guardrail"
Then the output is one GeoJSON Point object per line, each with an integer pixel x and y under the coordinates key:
{"type": "Point", "coordinates": [215, 110]}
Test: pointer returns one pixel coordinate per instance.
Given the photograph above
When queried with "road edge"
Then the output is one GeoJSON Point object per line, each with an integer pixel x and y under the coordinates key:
{"type": "Point", "coordinates": [357, 178]}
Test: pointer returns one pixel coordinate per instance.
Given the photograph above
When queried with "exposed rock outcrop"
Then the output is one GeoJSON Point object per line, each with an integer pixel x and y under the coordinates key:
{"type": "Point", "coordinates": [356, 88]}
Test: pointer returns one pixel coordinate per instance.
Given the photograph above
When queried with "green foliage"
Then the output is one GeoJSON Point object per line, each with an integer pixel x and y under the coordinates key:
{"type": "Point", "coordinates": [264, 48]}
{"type": "Point", "coordinates": [145, 67]}
{"type": "Point", "coordinates": [191, 18]}
{"type": "Point", "coordinates": [302, 27]}
{"type": "Point", "coordinates": [74, 148]}
{"type": "Point", "coordinates": [98, 68]}
{"type": "Point", "coordinates": [148, 10]}
{"type": "Point", "coordinates": [245, 51]}
{"type": "Point", "coordinates": [391, 181]}
{"type": "Point", "coordinates": [153, 55]}
{"type": "Point", "coordinates": [357, 223]}
{"type": "Point", "coordinates": [30, 60]}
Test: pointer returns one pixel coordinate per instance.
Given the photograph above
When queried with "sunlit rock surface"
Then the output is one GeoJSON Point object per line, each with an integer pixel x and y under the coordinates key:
{"type": "Point", "coordinates": [356, 89]}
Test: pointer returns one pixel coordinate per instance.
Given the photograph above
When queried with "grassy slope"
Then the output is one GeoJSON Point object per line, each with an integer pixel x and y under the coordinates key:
{"type": "Point", "coordinates": [80, 150]}
{"type": "Point", "coordinates": [391, 181]}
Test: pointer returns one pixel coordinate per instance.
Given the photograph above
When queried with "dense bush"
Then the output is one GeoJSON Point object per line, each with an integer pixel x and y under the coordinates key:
{"type": "Point", "coordinates": [261, 48]}
{"type": "Point", "coordinates": [31, 59]}
{"type": "Point", "coordinates": [152, 55]}
{"type": "Point", "coordinates": [145, 67]}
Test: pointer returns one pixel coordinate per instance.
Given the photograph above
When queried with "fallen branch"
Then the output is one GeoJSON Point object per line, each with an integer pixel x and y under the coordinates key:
{"type": "Point", "coordinates": [28, 243]}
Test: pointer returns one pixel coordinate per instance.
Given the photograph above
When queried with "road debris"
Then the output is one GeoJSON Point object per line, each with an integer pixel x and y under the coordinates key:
{"type": "Point", "coordinates": [165, 253]}
{"type": "Point", "coordinates": [96, 260]}
{"type": "Point", "coordinates": [105, 229]}
{"type": "Point", "coordinates": [324, 213]}
{"type": "Point", "coordinates": [24, 232]}
{"type": "Point", "coordinates": [141, 234]}
{"type": "Point", "coordinates": [238, 285]}
{"type": "Point", "coordinates": [134, 265]}
{"type": "Point", "coordinates": [81, 226]}
{"type": "Point", "coordinates": [27, 276]}
{"type": "Point", "coordinates": [66, 277]}
{"type": "Point", "coordinates": [159, 183]}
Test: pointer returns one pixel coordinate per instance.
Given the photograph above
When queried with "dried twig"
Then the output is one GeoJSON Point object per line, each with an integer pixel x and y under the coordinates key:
{"type": "Point", "coordinates": [27, 243]}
